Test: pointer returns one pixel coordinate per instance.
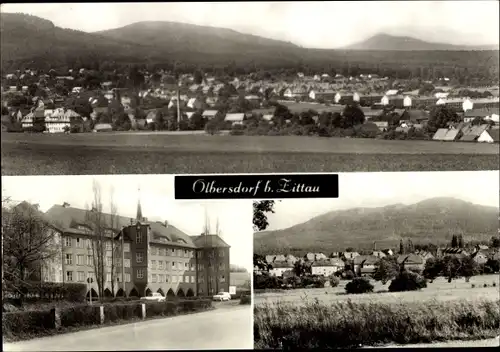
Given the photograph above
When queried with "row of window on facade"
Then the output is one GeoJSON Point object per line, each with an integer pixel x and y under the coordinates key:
{"type": "Point", "coordinates": [82, 276]}
{"type": "Point", "coordinates": [79, 243]}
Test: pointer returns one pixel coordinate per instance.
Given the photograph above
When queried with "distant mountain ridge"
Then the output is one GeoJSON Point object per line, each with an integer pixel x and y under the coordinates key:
{"type": "Point", "coordinates": [27, 39]}
{"type": "Point", "coordinates": [386, 42]}
{"type": "Point", "coordinates": [433, 220]}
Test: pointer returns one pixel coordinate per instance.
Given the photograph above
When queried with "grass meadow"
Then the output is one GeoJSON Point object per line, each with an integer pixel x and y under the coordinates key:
{"type": "Point", "coordinates": [136, 153]}
{"type": "Point", "coordinates": [329, 318]}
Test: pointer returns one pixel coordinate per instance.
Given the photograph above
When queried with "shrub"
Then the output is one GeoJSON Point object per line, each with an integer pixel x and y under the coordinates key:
{"type": "Point", "coordinates": [359, 285]}
{"type": "Point", "coordinates": [349, 275]}
{"type": "Point", "coordinates": [313, 280]}
{"type": "Point", "coordinates": [247, 299]}
{"type": "Point", "coordinates": [122, 311]}
{"type": "Point", "coordinates": [334, 281]}
{"type": "Point", "coordinates": [80, 315]}
{"type": "Point", "coordinates": [18, 324]}
{"type": "Point", "coordinates": [473, 286]}
{"type": "Point", "coordinates": [407, 281]}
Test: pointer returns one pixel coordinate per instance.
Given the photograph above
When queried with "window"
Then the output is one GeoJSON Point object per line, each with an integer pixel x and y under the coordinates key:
{"type": "Point", "coordinates": [79, 243]}
{"type": "Point", "coordinates": [180, 278]}
{"type": "Point", "coordinates": [174, 278]}
{"type": "Point", "coordinates": [127, 277]}
{"type": "Point", "coordinates": [186, 279]}
{"type": "Point", "coordinates": [69, 276]}
{"type": "Point", "coordinates": [192, 279]}
{"type": "Point", "coordinates": [172, 251]}
{"type": "Point", "coordinates": [222, 278]}
{"type": "Point", "coordinates": [162, 251]}
{"type": "Point", "coordinates": [153, 264]}
{"type": "Point", "coordinates": [138, 237]}
{"type": "Point", "coordinates": [179, 265]}
{"type": "Point", "coordinates": [222, 266]}
{"type": "Point", "coordinates": [154, 278]}
{"type": "Point", "coordinates": [126, 247]}
{"type": "Point", "coordinates": [173, 265]}
{"type": "Point", "coordinates": [140, 273]}
{"type": "Point", "coordinates": [108, 277]}
{"type": "Point", "coordinates": [139, 257]}
{"type": "Point", "coordinates": [109, 245]}
{"type": "Point", "coordinates": [185, 253]}
{"type": "Point", "coordinates": [167, 278]}
{"type": "Point", "coordinates": [179, 252]}
{"type": "Point", "coordinates": [153, 251]}
{"type": "Point", "coordinates": [201, 279]}
{"type": "Point", "coordinates": [81, 276]}
{"type": "Point", "coordinates": [127, 263]}
{"type": "Point", "coordinates": [80, 259]}
{"type": "Point", "coordinates": [186, 266]}
{"type": "Point", "coordinates": [67, 241]}
{"type": "Point", "coordinates": [69, 259]}
{"type": "Point", "coordinates": [192, 267]}
{"type": "Point", "coordinates": [91, 275]}
{"type": "Point", "coordinates": [160, 264]}
{"type": "Point", "coordinates": [109, 261]}
{"type": "Point", "coordinates": [90, 260]}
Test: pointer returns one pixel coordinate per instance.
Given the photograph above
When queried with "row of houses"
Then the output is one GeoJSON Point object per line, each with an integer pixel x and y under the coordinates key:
{"type": "Point", "coordinates": [466, 132]}
{"type": "Point", "coordinates": [283, 265]}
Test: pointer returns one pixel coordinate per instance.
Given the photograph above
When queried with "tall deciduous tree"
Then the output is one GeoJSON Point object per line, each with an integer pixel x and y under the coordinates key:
{"type": "Point", "coordinates": [260, 211]}
{"type": "Point", "coordinates": [29, 243]}
{"type": "Point", "coordinates": [440, 116]}
{"type": "Point", "coordinates": [386, 269]}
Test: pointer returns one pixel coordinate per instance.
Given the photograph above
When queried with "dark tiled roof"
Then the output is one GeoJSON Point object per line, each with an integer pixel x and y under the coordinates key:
{"type": "Point", "coordinates": [210, 241]}
{"type": "Point", "coordinates": [66, 217]}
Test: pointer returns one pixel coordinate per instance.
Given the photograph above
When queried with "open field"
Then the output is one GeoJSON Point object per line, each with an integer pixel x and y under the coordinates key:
{"type": "Point", "coordinates": [439, 290]}
{"type": "Point", "coordinates": [441, 312]}
{"type": "Point", "coordinates": [134, 153]}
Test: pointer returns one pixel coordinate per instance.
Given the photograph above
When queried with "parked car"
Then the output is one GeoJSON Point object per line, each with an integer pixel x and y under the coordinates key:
{"type": "Point", "coordinates": [222, 296]}
{"type": "Point", "coordinates": [157, 297]}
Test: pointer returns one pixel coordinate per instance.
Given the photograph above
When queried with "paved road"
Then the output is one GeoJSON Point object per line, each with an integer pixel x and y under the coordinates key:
{"type": "Point", "coordinates": [477, 343]}
{"type": "Point", "coordinates": [226, 328]}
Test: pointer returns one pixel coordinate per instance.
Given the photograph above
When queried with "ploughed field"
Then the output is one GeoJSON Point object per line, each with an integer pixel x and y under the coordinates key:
{"type": "Point", "coordinates": [136, 152]}
{"type": "Point", "coordinates": [439, 290]}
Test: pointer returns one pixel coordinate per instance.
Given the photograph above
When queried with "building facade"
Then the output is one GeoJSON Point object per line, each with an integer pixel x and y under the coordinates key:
{"type": "Point", "coordinates": [139, 257]}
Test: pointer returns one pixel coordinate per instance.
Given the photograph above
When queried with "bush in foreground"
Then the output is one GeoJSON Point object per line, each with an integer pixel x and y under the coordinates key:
{"type": "Point", "coordinates": [247, 299]}
{"type": "Point", "coordinates": [359, 285]}
{"type": "Point", "coordinates": [334, 281]}
{"type": "Point", "coordinates": [348, 324]}
{"type": "Point", "coordinates": [407, 281]}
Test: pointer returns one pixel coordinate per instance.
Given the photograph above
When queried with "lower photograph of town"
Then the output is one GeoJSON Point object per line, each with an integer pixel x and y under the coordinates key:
{"type": "Point", "coordinates": [407, 259]}
{"type": "Point", "coordinates": [110, 263]}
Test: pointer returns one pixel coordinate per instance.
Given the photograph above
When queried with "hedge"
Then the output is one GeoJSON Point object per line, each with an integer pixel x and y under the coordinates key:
{"type": "Point", "coordinates": [122, 311]}
{"type": "Point", "coordinates": [22, 323]}
{"type": "Point", "coordinates": [80, 316]}
{"type": "Point", "coordinates": [247, 299]}
{"type": "Point", "coordinates": [40, 291]}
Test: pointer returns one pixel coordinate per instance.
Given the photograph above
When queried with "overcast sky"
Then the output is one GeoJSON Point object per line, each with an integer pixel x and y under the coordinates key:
{"type": "Point", "coordinates": [309, 24]}
{"type": "Point", "coordinates": [386, 188]}
{"type": "Point", "coordinates": [157, 202]}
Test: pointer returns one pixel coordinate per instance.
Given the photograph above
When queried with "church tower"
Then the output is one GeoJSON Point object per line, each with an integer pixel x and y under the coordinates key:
{"type": "Point", "coordinates": [139, 208]}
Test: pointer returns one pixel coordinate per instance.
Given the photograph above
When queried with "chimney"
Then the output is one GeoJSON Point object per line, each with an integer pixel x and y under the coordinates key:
{"type": "Point", "coordinates": [66, 205]}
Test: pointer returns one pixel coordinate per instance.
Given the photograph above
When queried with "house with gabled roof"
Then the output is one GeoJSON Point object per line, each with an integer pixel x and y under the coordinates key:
{"type": "Point", "coordinates": [209, 114]}
{"type": "Point", "coordinates": [489, 136]}
{"type": "Point", "coordinates": [365, 264]}
{"type": "Point", "coordinates": [280, 268]}
{"type": "Point", "coordinates": [411, 261]}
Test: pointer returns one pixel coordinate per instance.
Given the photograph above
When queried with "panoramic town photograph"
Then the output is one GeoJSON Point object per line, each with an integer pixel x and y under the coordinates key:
{"type": "Point", "coordinates": [132, 88]}
{"type": "Point", "coordinates": [110, 263]}
{"type": "Point", "coordinates": [399, 260]}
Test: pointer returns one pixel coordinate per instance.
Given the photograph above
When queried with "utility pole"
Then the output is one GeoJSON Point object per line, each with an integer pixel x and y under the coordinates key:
{"type": "Point", "coordinates": [179, 107]}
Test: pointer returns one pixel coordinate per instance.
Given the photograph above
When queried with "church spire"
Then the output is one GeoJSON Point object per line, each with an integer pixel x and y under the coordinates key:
{"type": "Point", "coordinates": [139, 209]}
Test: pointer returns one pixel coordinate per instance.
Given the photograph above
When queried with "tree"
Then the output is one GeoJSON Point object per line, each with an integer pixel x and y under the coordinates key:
{"type": "Point", "coordinates": [197, 121]}
{"type": "Point", "coordinates": [386, 269]}
{"type": "Point", "coordinates": [260, 262]}
{"type": "Point", "coordinates": [198, 77]}
{"type": "Point", "coordinates": [359, 285]}
{"type": "Point", "coordinates": [468, 268]}
{"type": "Point", "coordinates": [440, 116]}
{"type": "Point", "coordinates": [495, 242]}
{"type": "Point", "coordinates": [353, 115]}
{"type": "Point", "coordinates": [454, 241]}
{"type": "Point", "coordinates": [493, 265]}
{"type": "Point", "coordinates": [451, 267]}
{"type": "Point", "coordinates": [300, 268]}
{"type": "Point", "coordinates": [260, 210]}
{"type": "Point", "coordinates": [460, 241]}
{"type": "Point", "coordinates": [30, 243]}
{"type": "Point", "coordinates": [433, 268]}
{"type": "Point", "coordinates": [101, 230]}
{"type": "Point", "coordinates": [401, 247]}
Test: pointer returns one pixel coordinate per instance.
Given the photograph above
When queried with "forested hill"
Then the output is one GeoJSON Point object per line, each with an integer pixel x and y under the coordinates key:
{"type": "Point", "coordinates": [431, 221]}
{"type": "Point", "coordinates": [29, 41]}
